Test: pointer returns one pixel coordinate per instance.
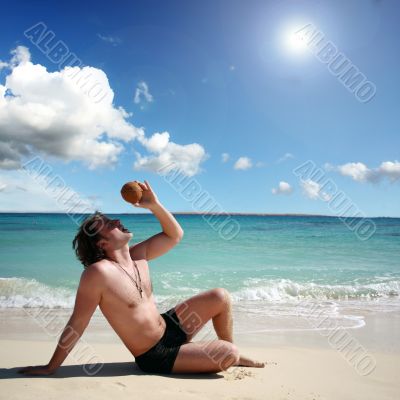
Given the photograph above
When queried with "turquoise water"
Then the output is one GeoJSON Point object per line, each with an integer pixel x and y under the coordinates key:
{"type": "Point", "coordinates": [273, 261]}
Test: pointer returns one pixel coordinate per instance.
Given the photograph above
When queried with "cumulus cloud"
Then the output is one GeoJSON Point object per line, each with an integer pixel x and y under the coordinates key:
{"type": "Point", "coordinates": [10, 154]}
{"type": "Point", "coordinates": [20, 55]}
{"type": "Point", "coordinates": [312, 190]}
{"type": "Point", "coordinates": [390, 170]}
{"type": "Point", "coordinates": [283, 188]}
{"type": "Point", "coordinates": [357, 171]}
{"type": "Point", "coordinates": [167, 155]}
{"type": "Point", "coordinates": [142, 92]}
{"type": "Point", "coordinates": [243, 163]}
{"type": "Point", "coordinates": [361, 173]}
{"type": "Point", "coordinates": [224, 157]}
{"type": "Point", "coordinates": [3, 65]}
{"type": "Point", "coordinates": [52, 114]}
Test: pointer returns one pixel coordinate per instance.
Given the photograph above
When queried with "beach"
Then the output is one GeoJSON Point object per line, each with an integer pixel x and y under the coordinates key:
{"type": "Point", "coordinates": [317, 304]}
{"type": "Point", "coordinates": [301, 365]}
{"type": "Point", "coordinates": [180, 178]}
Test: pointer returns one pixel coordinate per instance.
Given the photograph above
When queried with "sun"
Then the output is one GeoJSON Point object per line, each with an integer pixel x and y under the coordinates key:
{"type": "Point", "coordinates": [295, 41]}
{"type": "Point", "coordinates": [295, 38]}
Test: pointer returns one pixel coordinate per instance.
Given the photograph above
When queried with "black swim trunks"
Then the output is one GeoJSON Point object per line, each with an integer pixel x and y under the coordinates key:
{"type": "Point", "coordinates": [161, 357]}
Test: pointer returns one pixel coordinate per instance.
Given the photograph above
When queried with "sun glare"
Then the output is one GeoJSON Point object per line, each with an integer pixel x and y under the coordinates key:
{"type": "Point", "coordinates": [296, 42]}
{"type": "Point", "coordinates": [295, 37]}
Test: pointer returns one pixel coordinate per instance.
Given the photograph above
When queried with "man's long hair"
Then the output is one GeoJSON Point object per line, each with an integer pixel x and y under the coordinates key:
{"type": "Point", "coordinates": [85, 242]}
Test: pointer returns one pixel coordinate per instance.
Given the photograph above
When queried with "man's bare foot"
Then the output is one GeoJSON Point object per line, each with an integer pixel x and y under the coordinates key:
{"type": "Point", "coordinates": [248, 362]}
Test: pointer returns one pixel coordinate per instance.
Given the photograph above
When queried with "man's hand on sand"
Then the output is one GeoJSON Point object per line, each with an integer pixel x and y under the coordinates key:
{"type": "Point", "coordinates": [37, 370]}
{"type": "Point", "coordinates": [149, 198]}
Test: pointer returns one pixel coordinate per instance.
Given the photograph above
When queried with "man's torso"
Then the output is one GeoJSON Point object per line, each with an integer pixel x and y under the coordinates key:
{"type": "Point", "coordinates": [136, 320]}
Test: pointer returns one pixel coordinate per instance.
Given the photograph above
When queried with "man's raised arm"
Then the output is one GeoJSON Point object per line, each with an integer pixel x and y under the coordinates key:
{"type": "Point", "coordinates": [87, 298]}
{"type": "Point", "coordinates": [171, 233]}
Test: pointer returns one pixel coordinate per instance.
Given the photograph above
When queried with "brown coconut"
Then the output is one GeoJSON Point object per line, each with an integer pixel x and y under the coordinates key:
{"type": "Point", "coordinates": [131, 192]}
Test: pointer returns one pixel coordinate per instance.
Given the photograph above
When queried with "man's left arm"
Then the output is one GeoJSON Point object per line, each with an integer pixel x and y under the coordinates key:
{"type": "Point", "coordinates": [162, 242]}
{"type": "Point", "coordinates": [87, 298]}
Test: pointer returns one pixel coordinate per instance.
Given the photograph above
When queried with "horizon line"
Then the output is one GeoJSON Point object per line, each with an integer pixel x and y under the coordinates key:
{"type": "Point", "coordinates": [203, 213]}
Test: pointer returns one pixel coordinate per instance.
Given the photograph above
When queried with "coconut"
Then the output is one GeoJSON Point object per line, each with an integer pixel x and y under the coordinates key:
{"type": "Point", "coordinates": [131, 192]}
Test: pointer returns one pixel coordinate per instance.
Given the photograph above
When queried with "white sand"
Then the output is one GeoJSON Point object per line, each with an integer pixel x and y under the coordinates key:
{"type": "Point", "coordinates": [300, 365]}
{"type": "Point", "coordinates": [291, 373]}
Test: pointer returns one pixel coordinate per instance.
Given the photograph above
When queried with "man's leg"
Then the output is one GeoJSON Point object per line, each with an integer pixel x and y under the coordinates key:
{"type": "Point", "coordinates": [213, 304]}
{"type": "Point", "coordinates": [205, 356]}
{"type": "Point", "coordinates": [196, 311]}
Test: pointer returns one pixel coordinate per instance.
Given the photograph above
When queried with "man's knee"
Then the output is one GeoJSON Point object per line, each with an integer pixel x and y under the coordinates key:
{"type": "Point", "coordinates": [230, 356]}
{"type": "Point", "coordinates": [221, 296]}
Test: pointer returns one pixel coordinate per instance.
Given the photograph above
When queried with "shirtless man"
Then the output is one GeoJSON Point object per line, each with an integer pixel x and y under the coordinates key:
{"type": "Point", "coordinates": [116, 278]}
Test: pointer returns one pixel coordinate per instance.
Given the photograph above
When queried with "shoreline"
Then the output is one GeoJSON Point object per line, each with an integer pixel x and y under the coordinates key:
{"type": "Point", "coordinates": [378, 333]}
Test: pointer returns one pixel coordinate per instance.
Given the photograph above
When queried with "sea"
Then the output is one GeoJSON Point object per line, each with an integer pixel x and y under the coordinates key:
{"type": "Point", "coordinates": [282, 272]}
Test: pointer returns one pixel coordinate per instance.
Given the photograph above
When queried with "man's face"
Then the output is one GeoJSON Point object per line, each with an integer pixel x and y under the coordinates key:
{"type": "Point", "coordinates": [114, 234]}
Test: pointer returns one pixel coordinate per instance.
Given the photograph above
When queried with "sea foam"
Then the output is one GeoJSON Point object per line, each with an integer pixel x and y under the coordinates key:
{"type": "Point", "coordinates": [22, 292]}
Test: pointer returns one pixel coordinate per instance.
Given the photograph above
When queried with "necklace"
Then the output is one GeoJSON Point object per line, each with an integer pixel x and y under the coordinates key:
{"type": "Point", "coordinates": [138, 287]}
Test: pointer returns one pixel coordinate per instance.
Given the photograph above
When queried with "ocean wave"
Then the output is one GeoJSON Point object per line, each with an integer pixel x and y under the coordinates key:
{"type": "Point", "coordinates": [28, 293]}
{"type": "Point", "coordinates": [286, 290]}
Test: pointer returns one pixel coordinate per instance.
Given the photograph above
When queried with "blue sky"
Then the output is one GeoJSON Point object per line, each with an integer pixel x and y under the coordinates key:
{"type": "Point", "coordinates": [217, 77]}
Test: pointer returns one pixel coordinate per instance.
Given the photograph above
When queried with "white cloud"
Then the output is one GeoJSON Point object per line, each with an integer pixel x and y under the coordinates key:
{"type": "Point", "coordinates": [285, 157]}
{"type": "Point", "coordinates": [142, 91]}
{"type": "Point", "coordinates": [357, 171]}
{"type": "Point", "coordinates": [283, 188]}
{"type": "Point", "coordinates": [113, 40]}
{"type": "Point", "coordinates": [51, 114]}
{"type": "Point", "coordinates": [224, 157]}
{"type": "Point", "coordinates": [312, 190]}
{"type": "Point", "coordinates": [243, 163]}
{"type": "Point", "coordinates": [20, 55]}
{"type": "Point", "coordinates": [3, 65]}
{"type": "Point", "coordinates": [169, 156]}
{"type": "Point", "coordinates": [390, 169]}
{"type": "Point", "coordinates": [361, 173]}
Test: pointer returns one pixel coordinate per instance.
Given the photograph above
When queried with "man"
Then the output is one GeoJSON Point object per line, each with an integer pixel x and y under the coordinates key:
{"type": "Point", "coordinates": [116, 278]}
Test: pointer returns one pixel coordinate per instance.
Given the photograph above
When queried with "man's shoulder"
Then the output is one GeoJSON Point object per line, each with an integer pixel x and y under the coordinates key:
{"type": "Point", "coordinates": [97, 269]}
